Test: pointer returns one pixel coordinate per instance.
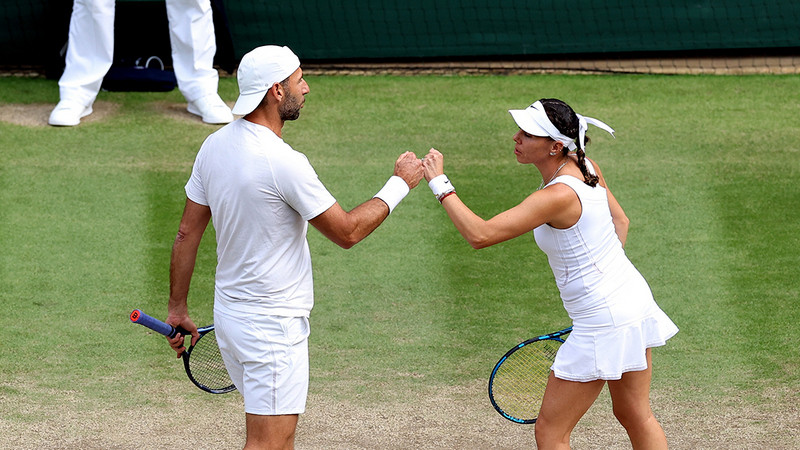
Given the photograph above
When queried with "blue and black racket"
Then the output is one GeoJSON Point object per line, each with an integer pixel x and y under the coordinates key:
{"type": "Point", "coordinates": [516, 386]}
{"type": "Point", "coordinates": [202, 361]}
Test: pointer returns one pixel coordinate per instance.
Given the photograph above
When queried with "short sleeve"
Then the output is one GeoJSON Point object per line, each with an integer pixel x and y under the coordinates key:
{"type": "Point", "coordinates": [195, 191]}
{"type": "Point", "coordinates": [302, 189]}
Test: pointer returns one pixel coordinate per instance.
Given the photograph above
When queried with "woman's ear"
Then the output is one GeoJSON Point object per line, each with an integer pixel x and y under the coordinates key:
{"type": "Point", "coordinates": [556, 148]}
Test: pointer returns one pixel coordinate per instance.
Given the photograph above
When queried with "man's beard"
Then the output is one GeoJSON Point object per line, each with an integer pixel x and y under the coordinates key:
{"type": "Point", "coordinates": [290, 109]}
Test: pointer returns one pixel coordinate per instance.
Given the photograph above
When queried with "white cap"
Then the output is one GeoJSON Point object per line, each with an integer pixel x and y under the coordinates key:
{"type": "Point", "coordinates": [258, 71]}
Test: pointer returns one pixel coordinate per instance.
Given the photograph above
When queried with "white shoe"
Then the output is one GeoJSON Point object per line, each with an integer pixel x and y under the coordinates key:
{"type": "Point", "coordinates": [212, 109]}
{"type": "Point", "coordinates": [68, 113]}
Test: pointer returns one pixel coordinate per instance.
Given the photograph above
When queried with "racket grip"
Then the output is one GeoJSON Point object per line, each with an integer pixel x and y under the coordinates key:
{"type": "Point", "coordinates": [137, 316]}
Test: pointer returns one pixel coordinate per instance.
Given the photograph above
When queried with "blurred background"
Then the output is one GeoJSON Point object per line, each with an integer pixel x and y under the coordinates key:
{"type": "Point", "coordinates": [628, 36]}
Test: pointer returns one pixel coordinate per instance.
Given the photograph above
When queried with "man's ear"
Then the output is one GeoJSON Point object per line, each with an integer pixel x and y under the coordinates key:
{"type": "Point", "coordinates": [276, 91]}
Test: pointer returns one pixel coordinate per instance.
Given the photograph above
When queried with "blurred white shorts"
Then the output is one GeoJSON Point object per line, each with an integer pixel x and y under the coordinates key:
{"type": "Point", "coordinates": [267, 359]}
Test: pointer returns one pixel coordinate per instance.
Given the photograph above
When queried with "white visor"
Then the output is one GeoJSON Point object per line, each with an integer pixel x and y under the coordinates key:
{"type": "Point", "coordinates": [533, 120]}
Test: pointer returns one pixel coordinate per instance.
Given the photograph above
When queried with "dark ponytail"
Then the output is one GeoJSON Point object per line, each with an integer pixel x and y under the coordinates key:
{"type": "Point", "coordinates": [565, 120]}
{"type": "Point", "coordinates": [588, 177]}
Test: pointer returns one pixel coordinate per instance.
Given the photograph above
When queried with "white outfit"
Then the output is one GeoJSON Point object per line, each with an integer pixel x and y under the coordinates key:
{"type": "Point", "coordinates": [90, 49]}
{"type": "Point", "coordinates": [614, 315]}
{"type": "Point", "coordinates": [266, 358]}
{"type": "Point", "coordinates": [261, 194]}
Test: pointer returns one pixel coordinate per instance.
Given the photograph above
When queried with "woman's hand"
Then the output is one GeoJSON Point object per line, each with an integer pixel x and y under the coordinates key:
{"type": "Point", "coordinates": [433, 163]}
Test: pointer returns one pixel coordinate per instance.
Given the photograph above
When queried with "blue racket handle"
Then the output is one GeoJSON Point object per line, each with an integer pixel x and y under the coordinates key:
{"type": "Point", "coordinates": [137, 316]}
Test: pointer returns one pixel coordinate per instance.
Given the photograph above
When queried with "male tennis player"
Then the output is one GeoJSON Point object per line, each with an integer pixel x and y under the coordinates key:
{"type": "Point", "coordinates": [262, 194]}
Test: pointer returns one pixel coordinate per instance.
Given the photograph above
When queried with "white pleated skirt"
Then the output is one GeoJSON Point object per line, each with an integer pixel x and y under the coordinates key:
{"type": "Point", "coordinates": [605, 354]}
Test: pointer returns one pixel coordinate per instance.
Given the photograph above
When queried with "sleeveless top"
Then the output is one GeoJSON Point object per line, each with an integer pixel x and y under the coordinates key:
{"type": "Point", "coordinates": [615, 317]}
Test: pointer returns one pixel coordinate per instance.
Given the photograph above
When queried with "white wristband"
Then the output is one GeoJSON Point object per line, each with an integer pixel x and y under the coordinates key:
{"type": "Point", "coordinates": [440, 185]}
{"type": "Point", "coordinates": [393, 192]}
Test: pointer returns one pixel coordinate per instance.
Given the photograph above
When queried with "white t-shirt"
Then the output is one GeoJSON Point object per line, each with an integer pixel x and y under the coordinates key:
{"type": "Point", "coordinates": [261, 193]}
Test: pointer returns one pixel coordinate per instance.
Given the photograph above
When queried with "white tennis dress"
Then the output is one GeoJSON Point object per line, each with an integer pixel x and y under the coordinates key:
{"type": "Point", "coordinates": [611, 306]}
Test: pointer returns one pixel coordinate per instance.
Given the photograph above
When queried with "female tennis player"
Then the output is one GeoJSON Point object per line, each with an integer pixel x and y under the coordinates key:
{"type": "Point", "coordinates": [582, 228]}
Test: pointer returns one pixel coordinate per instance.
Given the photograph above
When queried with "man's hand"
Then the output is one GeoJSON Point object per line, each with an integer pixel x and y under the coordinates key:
{"type": "Point", "coordinates": [187, 324]}
{"type": "Point", "coordinates": [409, 168]}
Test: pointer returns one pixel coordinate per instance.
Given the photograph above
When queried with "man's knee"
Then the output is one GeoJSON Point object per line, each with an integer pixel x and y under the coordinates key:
{"type": "Point", "coordinates": [270, 432]}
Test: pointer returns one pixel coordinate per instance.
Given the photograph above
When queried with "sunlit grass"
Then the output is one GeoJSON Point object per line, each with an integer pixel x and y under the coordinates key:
{"type": "Point", "coordinates": [706, 168]}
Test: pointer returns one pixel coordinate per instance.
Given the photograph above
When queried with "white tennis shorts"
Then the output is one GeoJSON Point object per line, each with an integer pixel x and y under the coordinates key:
{"type": "Point", "coordinates": [267, 359]}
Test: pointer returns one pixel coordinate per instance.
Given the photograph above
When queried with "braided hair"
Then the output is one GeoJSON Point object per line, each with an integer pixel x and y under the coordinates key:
{"type": "Point", "coordinates": [565, 120]}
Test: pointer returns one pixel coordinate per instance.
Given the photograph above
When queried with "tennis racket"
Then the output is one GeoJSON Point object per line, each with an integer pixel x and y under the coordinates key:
{"type": "Point", "coordinates": [516, 386]}
{"type": "Point", "coordinates": [202, 361]}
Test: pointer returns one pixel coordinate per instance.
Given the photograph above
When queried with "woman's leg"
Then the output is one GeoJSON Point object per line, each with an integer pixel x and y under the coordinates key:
{"type": "Point", "coordinates": [631, 398]}
{"type": "Point", "coordinates": [564, 403]}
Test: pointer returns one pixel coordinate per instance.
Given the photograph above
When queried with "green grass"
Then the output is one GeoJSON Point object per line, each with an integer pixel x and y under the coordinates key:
{"type": "Point", "coordinates": [705, 166]}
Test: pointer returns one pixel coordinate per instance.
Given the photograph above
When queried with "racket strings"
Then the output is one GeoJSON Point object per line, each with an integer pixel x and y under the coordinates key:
{"type": "Point", "coordinates": [519, 383]}
{"type": "Point", "coordinates": [206, 365]}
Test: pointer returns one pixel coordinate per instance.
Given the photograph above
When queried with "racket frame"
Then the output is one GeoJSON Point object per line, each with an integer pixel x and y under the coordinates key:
{"type": "Point", "coordinates": [186, 355]}
{"type": "Point", "coordinates": [138, 316]}
{"type": "Point", "coordinates": [555, 336]}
